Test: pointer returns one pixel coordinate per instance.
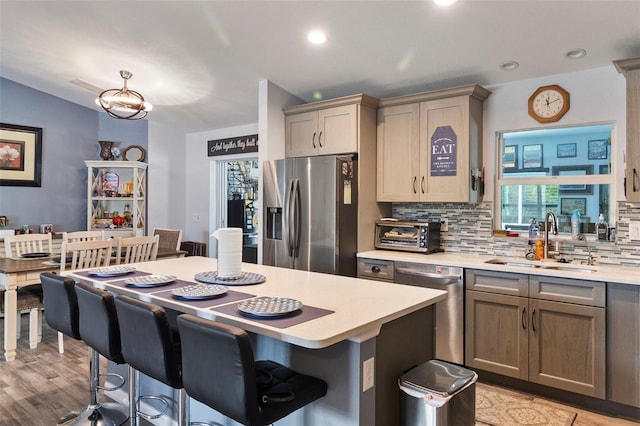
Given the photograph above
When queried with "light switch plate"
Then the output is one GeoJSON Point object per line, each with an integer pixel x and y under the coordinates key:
{"type": "Point", "coordinates": [634, 231]}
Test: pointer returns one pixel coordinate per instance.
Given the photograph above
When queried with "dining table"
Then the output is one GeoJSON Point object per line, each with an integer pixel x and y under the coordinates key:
{"type": "Point", "coordinates": [15, 273]}
{"type": "Point", "coordinates": [358, 335]}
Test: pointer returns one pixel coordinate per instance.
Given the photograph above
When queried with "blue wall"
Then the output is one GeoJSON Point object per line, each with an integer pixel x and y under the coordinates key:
{"type": "Point", "coordinates": [70, 136]}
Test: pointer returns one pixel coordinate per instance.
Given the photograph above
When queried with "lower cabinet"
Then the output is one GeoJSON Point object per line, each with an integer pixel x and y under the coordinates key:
{"type": "Point", "coordinates": [536, 335]}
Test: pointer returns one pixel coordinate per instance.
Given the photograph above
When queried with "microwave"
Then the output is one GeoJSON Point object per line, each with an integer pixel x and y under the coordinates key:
{"type": "Point", "coordinates": [422, 237]}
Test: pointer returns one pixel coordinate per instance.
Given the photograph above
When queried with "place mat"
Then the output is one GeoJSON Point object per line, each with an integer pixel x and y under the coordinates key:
{"type": "Point", "coordinates": [122, 283]}
{"type": "Point", "coordinates": [229, 297]}
{"type": "Point", "coordinates": [307, 313]}
{"type": "Point", "coordinates": [122, 277]}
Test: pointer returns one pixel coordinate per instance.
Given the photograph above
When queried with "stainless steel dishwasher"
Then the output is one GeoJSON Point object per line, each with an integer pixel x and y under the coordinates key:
{"type": "Point", "coordinates": [449, 313]}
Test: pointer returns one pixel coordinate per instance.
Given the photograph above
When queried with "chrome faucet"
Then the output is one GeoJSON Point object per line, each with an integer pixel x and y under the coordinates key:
{"type": "Point", "coordinates": [554, 228]}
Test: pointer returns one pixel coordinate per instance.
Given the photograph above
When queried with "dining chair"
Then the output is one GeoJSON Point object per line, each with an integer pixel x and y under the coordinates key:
{"type": "Point", "coordinates": [83, 255]}
{"type": "Point", "coordinates": [29, 299]}
{"type": "Point", "coordinates": [75, 236]}
{"type": "Point", "coordinates": [137, 249]}
{"type": "Point", "coordinates": [17, 245]}
{"type": "Point", "coordinates": [170, 239]}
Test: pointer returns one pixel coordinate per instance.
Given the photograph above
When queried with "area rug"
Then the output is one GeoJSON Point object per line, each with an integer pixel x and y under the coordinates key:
{"type": "Point", "coordinates": [501, 407]}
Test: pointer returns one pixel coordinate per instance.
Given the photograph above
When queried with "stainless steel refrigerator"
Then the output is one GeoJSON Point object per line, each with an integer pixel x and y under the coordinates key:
{"type": "Point", "coordinates": [310, 206]}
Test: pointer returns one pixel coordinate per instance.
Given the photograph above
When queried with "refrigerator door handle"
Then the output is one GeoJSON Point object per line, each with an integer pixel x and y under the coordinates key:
{"type": "Point", "coordinates": [297, 214]}
{"type": "Point", "coordinates": [289, 219]}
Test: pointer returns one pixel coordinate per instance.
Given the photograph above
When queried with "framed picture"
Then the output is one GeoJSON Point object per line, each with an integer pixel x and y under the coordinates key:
{"type": "Point", "coordinates": [568, 205]}
{"type": "Point", "coordinates": [603, 192]}
{"type": "Point", "coordinates": [573, 171]}
{"type": "Point", "coordinates": [532, 156]}
{"type": "Point", "coordinates": [566, 150]}
{"type": "Point", "coordinates": [598, 149]}
{"type": "Point", "coordinates": [510, 157]}
{"type": "Point", "coordinates": [20, 155]}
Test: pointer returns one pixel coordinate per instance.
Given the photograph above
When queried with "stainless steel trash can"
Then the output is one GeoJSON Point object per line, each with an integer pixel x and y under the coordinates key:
{"type": "Point", "coordinates": [438, 393]}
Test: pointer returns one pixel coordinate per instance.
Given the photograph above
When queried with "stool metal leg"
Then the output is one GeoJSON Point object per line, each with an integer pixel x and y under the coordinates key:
{"type": "Point", "coordinates": [97, 414]}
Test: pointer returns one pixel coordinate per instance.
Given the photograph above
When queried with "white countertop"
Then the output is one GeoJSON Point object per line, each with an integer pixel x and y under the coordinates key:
{"type": "Point", "coordinates": [361, 306]}
{"type": "Point", "coordinates": [605, 273]}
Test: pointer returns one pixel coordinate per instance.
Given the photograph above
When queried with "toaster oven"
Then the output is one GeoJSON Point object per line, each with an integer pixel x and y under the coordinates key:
{"type": "Point", "coordinates": [423, 237]}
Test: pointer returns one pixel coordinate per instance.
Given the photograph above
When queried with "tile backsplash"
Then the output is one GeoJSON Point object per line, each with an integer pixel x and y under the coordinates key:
{"type": "Point", "coordinates": [471, 231]}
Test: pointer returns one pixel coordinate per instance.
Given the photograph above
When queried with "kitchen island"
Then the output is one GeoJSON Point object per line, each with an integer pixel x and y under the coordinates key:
{"type": "Point", "coordinates": [358, 335]}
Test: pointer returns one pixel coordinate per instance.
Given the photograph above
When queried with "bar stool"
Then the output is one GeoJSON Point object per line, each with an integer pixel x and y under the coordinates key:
{"type": "Point", "coordinates": [100, 331]}
{"type": "Point", "coordinates": [151, 347]}
{"type": "Point", "coordinates": [218, 369]}
{"type": "Point", "coordinates": [61, 312]}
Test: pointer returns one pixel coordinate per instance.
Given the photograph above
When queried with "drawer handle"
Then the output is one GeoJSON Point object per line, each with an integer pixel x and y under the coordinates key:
{"type": "Point", "coordinates": [375, 269]}
{"type": "Point", "coordinates": [524, 317]}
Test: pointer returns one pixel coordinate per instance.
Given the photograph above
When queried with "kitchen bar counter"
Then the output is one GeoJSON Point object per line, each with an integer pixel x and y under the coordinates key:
{"type": "Point", "coordinates": [388, 325]}
{"type": "Point", "coordinates": [604, 273]}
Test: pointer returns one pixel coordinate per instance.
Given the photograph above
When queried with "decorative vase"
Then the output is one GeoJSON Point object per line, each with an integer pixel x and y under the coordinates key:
{"type": "Point", "coordinates": [105, 150]}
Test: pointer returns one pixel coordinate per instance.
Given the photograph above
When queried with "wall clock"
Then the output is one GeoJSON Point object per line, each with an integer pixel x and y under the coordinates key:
{"type": "Point", "coordinates": [549, 104]}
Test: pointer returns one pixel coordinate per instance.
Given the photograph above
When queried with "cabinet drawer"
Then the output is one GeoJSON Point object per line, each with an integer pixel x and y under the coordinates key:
{"type": "Point", "coordinates": [497, 282]}
{"type": "Point", "coordinates": [591, 293]}
{"type": "Point", "coordinates": [381, 270]}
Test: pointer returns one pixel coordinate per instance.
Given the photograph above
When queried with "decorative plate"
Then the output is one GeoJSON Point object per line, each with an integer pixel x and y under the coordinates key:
{"type": "Point", "coordinates": [112, 271]}
{"type": "Point", "coordinates": [269, 306]}
{"type": "Point", "coordinates": [153, 280]}
{"type": "Point", "coordinates": [246, 278]}
{"type": "Point", "coordinates": [34, 255]}
{"type": "Point", "coordinates": [199, 292]}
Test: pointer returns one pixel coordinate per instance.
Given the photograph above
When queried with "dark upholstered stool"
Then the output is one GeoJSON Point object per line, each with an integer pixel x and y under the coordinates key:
{"type": "Point", "coordinates": [218, 369]}
{"type": "Point", "coordinates": [61, 312]}
{"type": "Point", "coordinates": [151, 347]}
{"type": "Point", "coordinates": [100, 331]}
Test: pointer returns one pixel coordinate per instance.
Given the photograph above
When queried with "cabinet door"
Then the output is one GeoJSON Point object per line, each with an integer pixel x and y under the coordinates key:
{"type": "Point", "coordinates": [398, 153]}
{"type": "Point", "coordinates": [337, 130]}
{"type": "Point", "coordinates": [496, 333]}
{"type": "Point", "coordinates": [567, 347]}
{"type": "Point", "coordinates": [301, 134]}
{"type": "Point", "coordinates": [633, 135]}
{"type": "Point", "coordinates": [444, 150]}
{"type": "Point", "coordinates": [623, 343]}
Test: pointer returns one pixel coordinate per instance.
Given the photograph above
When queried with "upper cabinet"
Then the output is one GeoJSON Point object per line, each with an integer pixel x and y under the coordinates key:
{"type": "Point", "coordinates": [631, 70]}
{"type": "Point", "coordinates": [326, 127]}
{"type": "Point", "coordinates": [430, 146]}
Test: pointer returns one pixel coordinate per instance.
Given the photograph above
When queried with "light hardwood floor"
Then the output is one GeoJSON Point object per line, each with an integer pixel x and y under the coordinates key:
{"type": "Point", "coordinates": [42, 385]}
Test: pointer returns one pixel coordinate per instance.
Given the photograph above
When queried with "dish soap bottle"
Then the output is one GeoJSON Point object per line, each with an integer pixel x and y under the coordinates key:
{"type": "Point", "coordinates": [602, 228]}
{"type": "Point", "coordinates": [534, 229]}
{"type": "Point", "coordinates": [539, 249]}
{"type": "Point", "coordinates": [575, 224]}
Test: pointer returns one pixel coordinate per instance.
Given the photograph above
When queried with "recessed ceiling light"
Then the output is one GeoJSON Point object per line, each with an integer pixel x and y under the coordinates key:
{"type": "Point", "coordinates": [576, 53]}
{"type": "Point", "coordinates": [317, 37]}
{"type": "Point", "coordinates": [444, 2]}
{"type": "Point", "coordinates": [509, 65]}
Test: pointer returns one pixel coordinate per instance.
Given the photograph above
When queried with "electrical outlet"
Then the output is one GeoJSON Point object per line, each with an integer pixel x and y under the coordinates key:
{"type": "Point", "coordinates": [444, 225]}
{"type": "Point", "coordinates": [368, 372]}
{"type": "Point", "coordinates": [196, 218]}
{"type": "Point", "coordinates": [634, 231]}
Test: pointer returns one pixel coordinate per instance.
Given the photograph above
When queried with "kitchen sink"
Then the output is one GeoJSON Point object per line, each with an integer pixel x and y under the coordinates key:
{"type": "Point", "coordinates": [555, 266]}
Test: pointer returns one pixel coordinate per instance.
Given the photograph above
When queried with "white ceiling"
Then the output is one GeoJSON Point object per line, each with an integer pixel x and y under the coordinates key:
{"type": "Point", "coordinates": [199, 62]}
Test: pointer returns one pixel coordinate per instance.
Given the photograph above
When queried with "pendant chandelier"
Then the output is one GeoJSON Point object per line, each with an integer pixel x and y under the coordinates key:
{"type": "Point", "coordinates": [124, 103]}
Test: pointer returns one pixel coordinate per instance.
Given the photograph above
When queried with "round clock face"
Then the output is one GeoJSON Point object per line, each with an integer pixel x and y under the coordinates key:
{"type": "Point", "coordinates": [549, 103]}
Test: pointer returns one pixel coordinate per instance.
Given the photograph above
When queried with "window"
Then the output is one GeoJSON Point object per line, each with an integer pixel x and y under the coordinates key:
{"type": "Point", "coordinates": [555, 170]}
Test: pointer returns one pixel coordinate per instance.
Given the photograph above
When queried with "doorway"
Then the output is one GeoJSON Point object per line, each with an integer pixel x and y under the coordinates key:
{"type": "Point", "coordinates": [238, 202]}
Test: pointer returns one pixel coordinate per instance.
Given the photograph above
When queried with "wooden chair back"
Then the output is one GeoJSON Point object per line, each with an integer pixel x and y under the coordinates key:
{"type": "Point", "coordinates": [87, 254]}
{"type": "Point", "coordinates": [170, 239]}
{"type": "Point", "coordinates": [17, 245]}
{"type": "Point", "coordinates": [137, 249]}
{"type": "Point", "coordinates": [73, 237]}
